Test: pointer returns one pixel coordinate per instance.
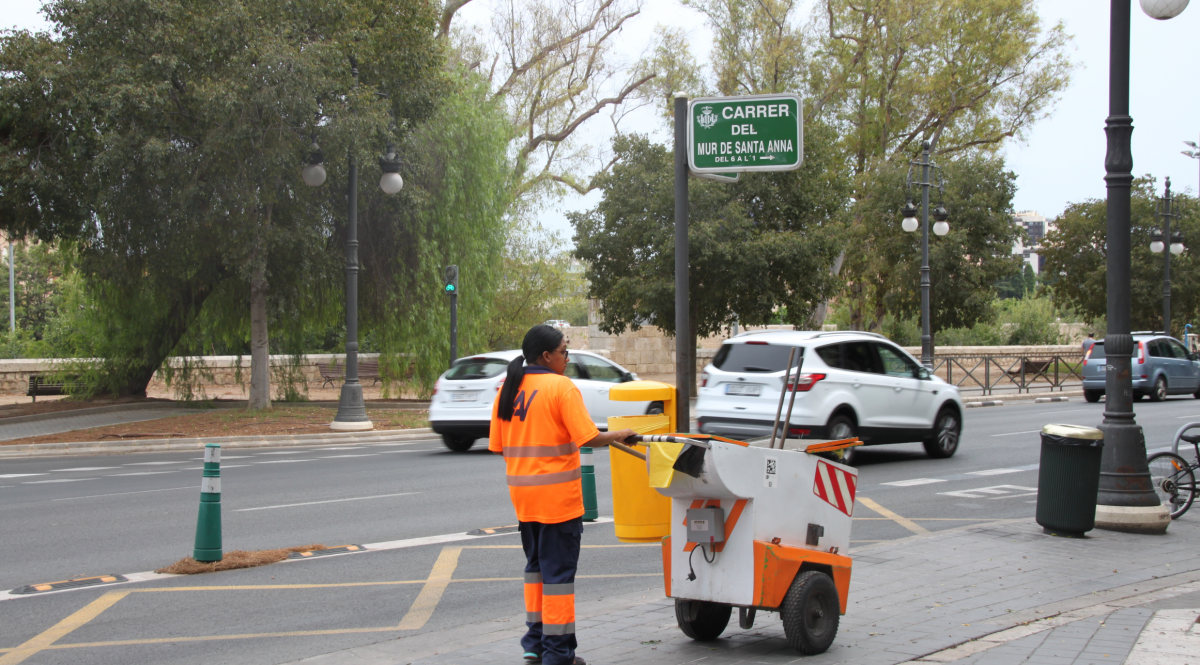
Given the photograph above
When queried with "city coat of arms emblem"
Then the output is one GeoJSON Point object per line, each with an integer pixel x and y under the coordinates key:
{"type": "Point", "coordinates": [707, 118]}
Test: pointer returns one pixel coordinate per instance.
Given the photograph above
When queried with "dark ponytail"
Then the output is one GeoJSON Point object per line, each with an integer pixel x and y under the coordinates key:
{"type": "Point", "coordinates": [540, 339]}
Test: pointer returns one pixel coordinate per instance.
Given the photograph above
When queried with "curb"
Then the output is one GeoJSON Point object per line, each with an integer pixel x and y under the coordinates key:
{"type": "Point", "coordinates": [994, 402]}
{"type": "Point", "coordinates": [1042, 400]}
{"type": "Point", "coordinates": [161, 445]}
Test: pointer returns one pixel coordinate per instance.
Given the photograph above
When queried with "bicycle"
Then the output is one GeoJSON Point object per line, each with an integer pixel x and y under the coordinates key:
{"type": "Point", "coordinates": [1173, 476]}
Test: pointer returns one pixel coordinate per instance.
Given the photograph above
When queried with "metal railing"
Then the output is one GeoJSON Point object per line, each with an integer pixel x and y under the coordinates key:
{"type": "Point", "coordinates": [1024, 372]}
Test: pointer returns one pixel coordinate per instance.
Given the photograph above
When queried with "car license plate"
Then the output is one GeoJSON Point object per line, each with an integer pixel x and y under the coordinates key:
{"type": "Point", "coordinates": [750, 390]}
{"type": "Point", "coordinates": [465, 396]}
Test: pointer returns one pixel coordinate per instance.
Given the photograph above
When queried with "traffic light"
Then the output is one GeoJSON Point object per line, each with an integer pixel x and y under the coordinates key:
{"type": "Point", "coordinates": [451, 280]}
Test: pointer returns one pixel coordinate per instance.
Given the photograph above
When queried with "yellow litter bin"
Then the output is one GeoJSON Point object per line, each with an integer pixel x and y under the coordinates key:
{"type": "Point", "coordinates": [640, 513]}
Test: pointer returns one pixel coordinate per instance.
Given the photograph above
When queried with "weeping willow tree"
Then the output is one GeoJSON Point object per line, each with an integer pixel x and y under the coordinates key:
{"type": "Point", "coordinates": [165, 141]}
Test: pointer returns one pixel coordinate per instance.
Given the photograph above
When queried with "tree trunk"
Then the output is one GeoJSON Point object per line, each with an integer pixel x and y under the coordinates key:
{"type": "Point", "coordinates": [260, 358]}
{"type": "Point", "coordinates": [823, 308]}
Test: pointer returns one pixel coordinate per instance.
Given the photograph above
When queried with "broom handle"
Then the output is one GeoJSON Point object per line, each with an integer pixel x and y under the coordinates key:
{"type": "Point", "coordinates": [626, 449]}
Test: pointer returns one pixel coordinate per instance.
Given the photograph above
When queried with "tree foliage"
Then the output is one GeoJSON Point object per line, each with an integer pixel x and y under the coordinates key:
{"type": "Point", "coordinates": [1076, 254]}
{"type": "Point", "coordinates": [763, 242]}
{"type": "Point", "coordinates": [884, 261]}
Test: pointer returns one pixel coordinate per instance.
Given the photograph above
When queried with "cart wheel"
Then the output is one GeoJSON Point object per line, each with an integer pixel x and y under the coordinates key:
{"type": "Point", "coordinates": [701, 620]}
{"type": "Point", "coordinates": [810, 613]}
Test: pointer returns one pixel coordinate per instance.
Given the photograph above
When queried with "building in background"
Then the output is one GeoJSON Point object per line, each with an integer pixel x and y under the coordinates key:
{"type": "Point", "coordinates": [1028, 245]}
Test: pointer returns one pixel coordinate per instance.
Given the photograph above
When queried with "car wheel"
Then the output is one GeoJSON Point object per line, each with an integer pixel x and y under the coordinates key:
{"type": "Point", "coordinates": [1159, 393]}
{"type": "Point", "coordinates": [459, 444]}
{"type": "Point", "coordinates": [842, 426]}
{"type": "Point", "coordinates": [943, 441]}
{"type": "Point", "coordinates": [1094, 396]}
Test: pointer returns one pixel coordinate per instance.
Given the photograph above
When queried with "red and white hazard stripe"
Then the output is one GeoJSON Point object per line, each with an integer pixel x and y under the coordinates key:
{"type": "Point", "coordinates": [835, 487]}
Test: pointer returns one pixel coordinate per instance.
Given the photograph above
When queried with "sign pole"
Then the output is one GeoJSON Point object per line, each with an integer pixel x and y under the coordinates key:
{"type": "Point", "coordinates": [683, 338]}
{"type": "Point", "coordinates": [453, 328]}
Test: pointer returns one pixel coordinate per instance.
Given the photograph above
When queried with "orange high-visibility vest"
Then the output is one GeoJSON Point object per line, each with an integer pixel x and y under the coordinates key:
{"type": "Point", "coordinates": [541, 447]}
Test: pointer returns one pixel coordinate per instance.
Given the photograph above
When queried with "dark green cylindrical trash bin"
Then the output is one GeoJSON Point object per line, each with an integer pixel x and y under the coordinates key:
{"type": "Point", "coordinates": [1068, 479]}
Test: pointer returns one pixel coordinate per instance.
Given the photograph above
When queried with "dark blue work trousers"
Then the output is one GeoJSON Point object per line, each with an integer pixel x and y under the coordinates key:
{"type": "Point", "coordinates": [552, 555]}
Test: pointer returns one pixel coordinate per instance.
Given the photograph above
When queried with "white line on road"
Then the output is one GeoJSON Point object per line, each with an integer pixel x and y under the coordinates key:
{"type": "Point", "coordinates": [59, 480]}
{"type": "Point", "coordinates": [20, 475]}
{"type": "Point", "coordinates": [342, 448]}
{"type": "Point", "coordinates": [96, 496]}
{"type": "Point", "coordinates": [914, 481]}
{"type": "Point", "coordinates": [341, 456]}
{"type": "Point", "coordinates": [1182, 417]}
{"type": "Point", "coordinates": [993, 472]}
{"type": "Point", "coordinates": [143, 473]}
{"type": "Point", "coordinates": [286, 461]}
{"type": "Point", "coordinates": [154, 463]}
{"type": "Point", "coordinates": [285, 452]}
{"type": "Point", "coordinates": [1046, 413]}
{"type": "Point", "coordinates": [313, 503]}
{"type": "Point", "coordinates": [1030, 431]}
{"type": "Point", "coordinates": [90, 468]}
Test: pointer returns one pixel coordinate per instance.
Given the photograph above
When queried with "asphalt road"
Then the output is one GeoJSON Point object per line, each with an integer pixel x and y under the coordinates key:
{"type": "Point", "coordinates": [67, 517]}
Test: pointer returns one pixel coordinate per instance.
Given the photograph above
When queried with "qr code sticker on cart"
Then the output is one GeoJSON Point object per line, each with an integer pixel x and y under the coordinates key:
{"type": "Point", "coordinates": [770, 478]}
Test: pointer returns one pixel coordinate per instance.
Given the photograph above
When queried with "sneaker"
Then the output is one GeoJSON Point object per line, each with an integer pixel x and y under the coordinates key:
{"type": "Point", "coordinates": [580, 661]}
{"type": "Point", "coordinates": [531, 657]}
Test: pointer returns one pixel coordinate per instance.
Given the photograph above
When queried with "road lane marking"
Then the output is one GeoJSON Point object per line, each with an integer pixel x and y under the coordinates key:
{"type": "Point", "coordinates": [286, 452]}
{"type": "Point", "coordinates": [62, 628]}
{"type": "Point", "coordinates": [980, 492]}
{"type": "Point", "coordinates": [431, 594]}
{"type": "Point", "coordinates": [20, 475]}
{"type": "Point", "coordinates": [902, 521]}
{"type": "Point", "coordinates": [343, 448]}
{"type": "Point", "coordinates": [360, 455]}
{"type": "Point", "coordinates": [154, 463]}
{"type": "Point", "coordinates": [286, 461]}
{"type": "Point", "coordinates": [1046, 413]}
{"type": "Point", "coordinates": [89, 468]}
{"type": "Point", "coordinates": [313, 503]}
{"type": "Point", "coordinates": [914, 482]}
{"type": "Point", "coordinates": [1030, 431]}
{"type": "Point", "coordinates": [57, 480]}
{"type": "Point", "coordinates": [119, 493]}
{"type": "Point", "coordinates": [143, 473]}
{"type": "Point", "coordinates": [993, 472]}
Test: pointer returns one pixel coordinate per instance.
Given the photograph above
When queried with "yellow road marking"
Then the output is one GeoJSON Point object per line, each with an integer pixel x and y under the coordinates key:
{"type": "Point", "coordinates": [431, 594]}
{"type": "Point", "coordinates": [902, 521]}
{"type": "Point", "coordinates": [60, 629]}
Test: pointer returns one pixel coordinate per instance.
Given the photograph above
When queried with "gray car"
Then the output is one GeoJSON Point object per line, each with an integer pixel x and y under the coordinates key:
{"type": "Point", "coordinates": [1161, 366]}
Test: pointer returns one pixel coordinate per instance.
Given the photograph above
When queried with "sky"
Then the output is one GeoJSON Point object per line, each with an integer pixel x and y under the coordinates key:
{"type": "Point", "coordinates": [1063, 159]}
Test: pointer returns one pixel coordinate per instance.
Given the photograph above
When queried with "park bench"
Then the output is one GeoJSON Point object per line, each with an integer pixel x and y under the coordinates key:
{"type": "Point", "coordinates": [1029, 368]}
{"type": "Point", "coordinates": [330, 372]}
{"type": "Point", "coordinates": [40, 384]}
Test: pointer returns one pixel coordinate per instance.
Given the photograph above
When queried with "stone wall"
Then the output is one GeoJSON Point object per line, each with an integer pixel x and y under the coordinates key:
{"type": "Point", "coordinates": [217, 370]}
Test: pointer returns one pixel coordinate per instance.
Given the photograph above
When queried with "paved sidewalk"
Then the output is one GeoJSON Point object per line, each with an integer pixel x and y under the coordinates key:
{"type": "Point", "coordinates": [69, 423]}
{"type": "Point", "coordinates": [998, 593]}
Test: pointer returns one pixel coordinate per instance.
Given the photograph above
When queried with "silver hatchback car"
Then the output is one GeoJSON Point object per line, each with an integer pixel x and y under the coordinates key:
{"type": "Point", "coordinates": [1161, 366]}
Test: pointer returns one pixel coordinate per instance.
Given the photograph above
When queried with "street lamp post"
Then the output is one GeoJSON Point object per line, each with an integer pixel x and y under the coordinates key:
{"type": "Point", "coordinates": [352, 410]}
{"type": "Point", "coordinates": [941, 227]}
{"type": "Point", "coordinates": [1158, 241]}
{"type": "Point", "coordinates": [1126, 500]}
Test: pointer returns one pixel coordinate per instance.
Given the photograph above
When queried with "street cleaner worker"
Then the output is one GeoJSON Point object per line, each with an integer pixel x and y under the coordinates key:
{"type": "Point", "coordinates": [538, 424]}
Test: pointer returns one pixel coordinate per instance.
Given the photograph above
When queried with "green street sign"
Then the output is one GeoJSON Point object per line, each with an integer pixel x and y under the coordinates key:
{"type": "Point", "coordinates": [750, 133]}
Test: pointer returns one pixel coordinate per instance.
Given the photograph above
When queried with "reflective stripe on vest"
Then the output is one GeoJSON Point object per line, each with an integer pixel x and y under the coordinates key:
{"type": "Point", "coordinates": [540, 451]}
{"type": "Point", "coordinates": [534, 480]}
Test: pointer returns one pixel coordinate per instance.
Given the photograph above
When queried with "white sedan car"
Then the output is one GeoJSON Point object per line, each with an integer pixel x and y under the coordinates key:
{"type": "Point", "coordinates": [461, 408]}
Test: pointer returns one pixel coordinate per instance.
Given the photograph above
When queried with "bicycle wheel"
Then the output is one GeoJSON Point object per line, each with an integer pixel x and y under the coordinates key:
{"type": "Point", "coordinates": [1173, 481]}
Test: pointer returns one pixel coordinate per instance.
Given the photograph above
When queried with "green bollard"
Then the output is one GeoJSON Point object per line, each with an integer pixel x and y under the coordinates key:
{"type": "Point", "coordinates": [590, 510]}
{"type": "Point", "coordinates": [208, 524]}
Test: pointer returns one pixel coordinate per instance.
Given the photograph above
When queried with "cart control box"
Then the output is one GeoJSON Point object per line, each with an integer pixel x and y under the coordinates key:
{"type": "Point", "coordinates": [706, 525]}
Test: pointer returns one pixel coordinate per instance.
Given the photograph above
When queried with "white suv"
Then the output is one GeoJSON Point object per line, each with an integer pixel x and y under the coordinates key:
{"type": "Point", "coordinates": [461, 407]}
{"type": "Point", "coordinates": [851, 384]}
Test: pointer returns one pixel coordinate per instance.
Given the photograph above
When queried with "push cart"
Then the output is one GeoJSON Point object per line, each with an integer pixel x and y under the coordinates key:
{"type": "Point", "coordinates": [756, 528]}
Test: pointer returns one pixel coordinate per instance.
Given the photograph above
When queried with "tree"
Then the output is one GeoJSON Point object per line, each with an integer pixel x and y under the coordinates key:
{"type": "Point", "coordinates": [1076, 259]}
{"type": "Point", "coordinates": [537, 275]}
{"type": "Point", "coordinates": [885, 261]}
{"type": "Point", "coordinates": [167, 143]}
{"type": "Point", "coordinates": [757, 246]}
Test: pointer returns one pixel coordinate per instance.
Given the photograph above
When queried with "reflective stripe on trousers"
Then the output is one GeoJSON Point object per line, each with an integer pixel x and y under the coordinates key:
{"type": "Point", "coordinates": [533, 597]}
{"type": "Point", "coordinates": [558, 609]}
